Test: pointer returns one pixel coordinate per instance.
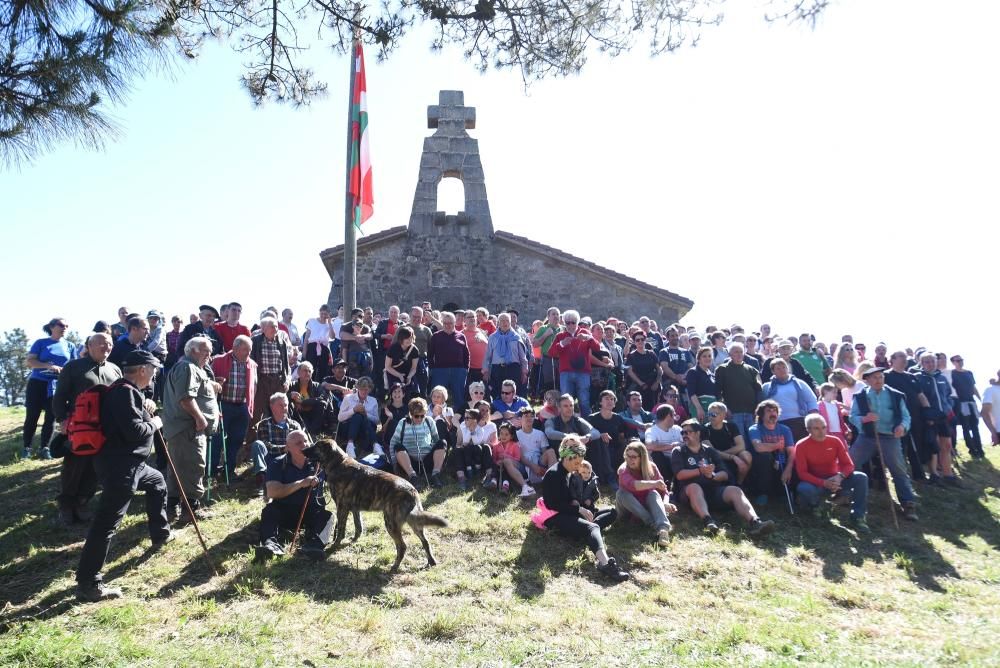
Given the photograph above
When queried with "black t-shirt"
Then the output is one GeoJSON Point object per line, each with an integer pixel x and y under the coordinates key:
{"type": "Point", "coordinates": [643, 364]}
{"type": "Point", "coordinates": [284, 471]}
{"type": "Point", "coordinates": [721, 439]}
{"type": "Point", "coordinates": [402, 359]}
{"type": "Point", "coordinates": [347, 382]}
{"type": "Point", "coordinates": [682, 459]}
{"type": "Point", "coordinates": [615, 426]}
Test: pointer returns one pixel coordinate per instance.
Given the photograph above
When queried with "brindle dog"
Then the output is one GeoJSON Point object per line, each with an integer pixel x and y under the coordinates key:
{"type": "Point", "coordinates": [356, 487]}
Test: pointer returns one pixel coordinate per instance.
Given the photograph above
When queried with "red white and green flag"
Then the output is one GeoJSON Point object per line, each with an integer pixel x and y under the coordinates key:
{"type": "Point", "coordinates": [361, 165]}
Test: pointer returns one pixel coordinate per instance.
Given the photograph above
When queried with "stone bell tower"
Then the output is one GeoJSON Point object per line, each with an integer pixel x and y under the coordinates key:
{"type": "Point", "coordinates": [451, 152]}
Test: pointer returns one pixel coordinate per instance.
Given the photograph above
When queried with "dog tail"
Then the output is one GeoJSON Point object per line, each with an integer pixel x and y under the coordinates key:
{"type": "Point", "coordinates": [425, 519]}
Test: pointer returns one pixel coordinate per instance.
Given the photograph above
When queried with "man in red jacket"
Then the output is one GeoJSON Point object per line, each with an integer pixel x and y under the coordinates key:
{"type": "Point", "coordinates": [825, 468]}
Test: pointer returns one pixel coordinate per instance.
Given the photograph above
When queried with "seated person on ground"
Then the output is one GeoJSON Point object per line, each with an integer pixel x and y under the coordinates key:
{"type": "Point", "coordinates": [507, 462]}
{"type": "Point", "coordinates": [702, 482]}
{"type": "Point", "coordinates": [825, 469]}
{"type": "Point", "coordinates": [473, 455]}
{"type": "Point", "coordinates": [726, 438]}
{"type": "Point", "coordinates": [662, 438]}
{"type": "Point", "coordinates": [568, 516]}
{"type": "Point", "coordinates": [773, 452]}
{"type": "Point", "coordinates": [358, 417]}
{"type": "Point", "coordinates": [586, 491]}
{"type": "Point", "coordinates": [536, 455]}
{"type": "Point", "coordinates": [289, 479]}
{"type": "Point", "coordinates": [270, 437]}
{"type": "Point", "coordinates": [642, 492]}
{"type": "Point", "coordinates": [416, 440]}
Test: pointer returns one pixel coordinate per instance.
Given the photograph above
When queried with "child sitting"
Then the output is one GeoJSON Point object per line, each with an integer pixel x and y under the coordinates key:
{"type": "Point", "coordinates": [472, 449]}
{"type": "Point", "coordinates": [507, 462]}
{"type": "Point", "coordinates": [585, 491]}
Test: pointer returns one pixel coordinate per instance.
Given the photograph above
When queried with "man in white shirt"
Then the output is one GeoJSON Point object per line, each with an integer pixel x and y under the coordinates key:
{"type": "Point", "coordinates": [338, 322]}
{"type": "Point", "coordinates": [536, 455]}
{"type": "Point", "coordinates": [662, 437]}
{"type": "Point", "coordinates": [293, 331]}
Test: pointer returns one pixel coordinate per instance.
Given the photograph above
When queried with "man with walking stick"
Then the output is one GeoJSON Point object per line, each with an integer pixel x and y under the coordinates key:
{"type": "Point", "coordinates": [296, 495]}
{"type": "Point", "coordinates": [190, 415]}
{"type": "Point", "coordinates": [882, 419]}
{"type": "Point", "coordinates": [128, 426]}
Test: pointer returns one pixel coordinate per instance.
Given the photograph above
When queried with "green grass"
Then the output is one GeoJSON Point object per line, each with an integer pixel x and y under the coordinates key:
{"type": "Point", "coordinates": [504, 594]}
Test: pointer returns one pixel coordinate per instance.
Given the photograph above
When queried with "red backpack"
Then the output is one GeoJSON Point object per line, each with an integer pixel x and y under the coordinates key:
{"type": "Point", "coordinates": [84, 428]}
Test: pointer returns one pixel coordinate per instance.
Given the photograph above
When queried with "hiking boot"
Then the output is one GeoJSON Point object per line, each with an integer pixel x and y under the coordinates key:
{"type": "Point", "coordinates": [663, 537]}
{"type": "Point", "coordinates": [710, 525]}
{"type": "Point", "coordinates": [860, 525]}
{"type": "Point", "coordinates": [953, 481]}
{"type": "Point", "coordinates": [158, 544]}
{"type": "Point", "coordinates": [45, 453]}
{"type": "Point", "coordinates": [613, 571]}
{"type": "Point", "coordinates": [761, 527]}
{"type": "Point", "coordinates": [415, 481]}
{"type": "Point", "coordinates": [910, 511]}
{"type": "Point", "coordinates": [96, 593]}
{"type": "Point", "coordinates": [312, 548]}
{"type": "Point", "coordinates": [267, 550]}
{"type": "Point", "coordinates": [436, 480]}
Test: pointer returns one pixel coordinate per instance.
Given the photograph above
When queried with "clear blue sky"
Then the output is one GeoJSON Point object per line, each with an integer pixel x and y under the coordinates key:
{"type": "Point", "coordinates": [837, 179]}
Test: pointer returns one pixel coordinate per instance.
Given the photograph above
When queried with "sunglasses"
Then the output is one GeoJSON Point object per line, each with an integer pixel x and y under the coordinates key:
{"type": "Point", "coordinates": [713, 415]}
{"type": "Point", "coordinates": [417, 415]}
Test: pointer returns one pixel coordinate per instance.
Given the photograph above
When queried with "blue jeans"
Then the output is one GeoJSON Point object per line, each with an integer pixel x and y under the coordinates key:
{"type": "Point", "coordinates": [855, 484]}
{"type": "Point", "coordinates": [744, 421]}
{"type": "Point", "coordinates": [452, 379]}
{"type": "Point", "coordinates": [865, 448]}
{"type": "Point", "coordinates": [260, 456]}
{"type": "Point", "coordinates": [235, 422]}
{"type": "Point", "coordinates": [360, 430]}
{"type": "Point", "coordinates": [577, 384]}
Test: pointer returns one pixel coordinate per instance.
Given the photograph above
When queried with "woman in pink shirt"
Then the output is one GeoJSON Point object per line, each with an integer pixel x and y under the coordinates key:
{"type": "Point", "coordinates": [643, 493]}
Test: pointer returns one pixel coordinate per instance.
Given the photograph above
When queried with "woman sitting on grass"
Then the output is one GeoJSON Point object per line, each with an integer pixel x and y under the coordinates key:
{"type": "Point", "coordinates": [642, 492]}
{"type": "Point", "coordinates": [570, 518]}
{"type": "Point", "coordinates": [416, 440]}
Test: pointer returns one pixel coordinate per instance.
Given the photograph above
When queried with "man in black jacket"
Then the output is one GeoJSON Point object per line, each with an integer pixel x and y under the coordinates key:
{"type": "Point", "coordinates": [121, 466]}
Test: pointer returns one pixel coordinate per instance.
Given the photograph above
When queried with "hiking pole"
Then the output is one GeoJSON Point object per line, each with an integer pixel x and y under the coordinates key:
{"type": "Point", "coordinates": [187, 505]}
{"type": "Point", "coordinates": [788, 495]}
{"type": "Point", "coordinates": [224, 455]}
{"type": "Point", "coordinates": [888, 484]}
{"type": "Point", "coordinates": [302, 513]}
{"type": "Point", "coordinates": [208, 471]}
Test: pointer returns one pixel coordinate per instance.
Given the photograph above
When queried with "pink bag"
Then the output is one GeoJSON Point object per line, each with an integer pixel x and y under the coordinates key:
{"type": "Point", "coordinates": [541, 513]}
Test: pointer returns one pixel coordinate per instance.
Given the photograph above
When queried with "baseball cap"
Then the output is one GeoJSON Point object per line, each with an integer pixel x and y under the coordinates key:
{"type": "Point", "coordinates": [141, 358]}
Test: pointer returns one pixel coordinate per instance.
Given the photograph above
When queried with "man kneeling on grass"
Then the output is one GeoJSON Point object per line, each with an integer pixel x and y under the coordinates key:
{"type": "Point", "coordinates": [289, 479]}
{"type": "Point", "coordinates": [825, 468]}
{"type": "Point", "coordinates": [702, 482]}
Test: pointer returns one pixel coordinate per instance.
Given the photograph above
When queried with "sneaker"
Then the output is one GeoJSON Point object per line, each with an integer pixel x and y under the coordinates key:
{"type": "Point", "coordinates": [97, 592]}
{"type": "Point", "coordinates": [44, 453]}
{"type": "Point", "coordinates": [259, 481]}
{"type": "Point", "coordinates": [26, 453]}
{"type": "Point", "coordinates": [910, 511]}
{"type": "Point", "coordinates": [490, 484]}
{"type": "Point", "coordinates": [312, 548]}
{"type": "Point", "coordinates": [527, 491]}
{"type": "Point", "coordinates": [157, 545]}
{"type": "Point", "coordinates": [760, 500]}
{"type": "Point", "coordinates": [953, 481]}
{"type": "Point", "coordinates": [860, 525]}
{"type": "Point", "coordinates": [761, 527]}
{"type": "Point", "coordinates": [267, 550]}
{"type": "Point", "coordinates": [613, 571]}
{"type": "Point", "coordinates": [463, 484]}
{"type": "Point", "coordinates": [378, 451]}
{"type": "Point", "coordinates": [663, 537]}
{"type": "Point", "coordinates": [934, 479]}
{"type": "Point", "coordinates": [436, 480]}
{"type": "Point", "coordinates": [710, 525]}
{"type": "Point", "coordinates": [350, 450]}
{"type": "Point", "coordinates": [505, 488]}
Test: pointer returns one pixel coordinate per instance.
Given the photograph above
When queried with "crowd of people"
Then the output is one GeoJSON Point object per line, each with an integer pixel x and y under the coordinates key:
{"type": "Point", "coordinates": [662, 418]}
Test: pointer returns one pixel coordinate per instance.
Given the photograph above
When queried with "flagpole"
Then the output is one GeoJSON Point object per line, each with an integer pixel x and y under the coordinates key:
{"type": "Point", "coordinates": [350, 232]}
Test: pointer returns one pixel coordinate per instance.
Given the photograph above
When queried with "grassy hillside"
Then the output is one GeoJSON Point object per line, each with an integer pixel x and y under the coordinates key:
{"type": "Point", "coordinates": [505, 594]}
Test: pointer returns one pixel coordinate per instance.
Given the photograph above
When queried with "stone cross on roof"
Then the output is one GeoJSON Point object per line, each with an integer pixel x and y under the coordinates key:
{"type": "Point", "coordinates": [450, 116]}
{"type": "Point", "coordinates": [451, 153]}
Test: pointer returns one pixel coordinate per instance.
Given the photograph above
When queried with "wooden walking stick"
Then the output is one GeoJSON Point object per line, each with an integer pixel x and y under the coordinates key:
{"type": "Point", "coordinates": [888, 484]}
{"type": "Point", "coordinates": [187, 505]}
{"type": "Point", "coordinates": [302, 514]}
